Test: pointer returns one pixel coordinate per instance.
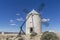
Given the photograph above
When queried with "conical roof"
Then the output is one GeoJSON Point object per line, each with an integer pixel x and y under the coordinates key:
{"type": "Point", "coordinates": [33, 12]}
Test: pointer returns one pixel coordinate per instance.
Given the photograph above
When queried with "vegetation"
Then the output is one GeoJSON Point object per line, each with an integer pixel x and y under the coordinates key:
{"type": "Point", "coordinates": [33, 34]}
{"type": "Point", "coordinates": [20, 38]}
{"type": "Point", "coordinates": [49, 36]}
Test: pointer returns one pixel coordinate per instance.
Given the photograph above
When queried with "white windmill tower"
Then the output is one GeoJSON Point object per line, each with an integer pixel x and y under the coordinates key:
{"type": "Point", "coordinates": [33, 24]}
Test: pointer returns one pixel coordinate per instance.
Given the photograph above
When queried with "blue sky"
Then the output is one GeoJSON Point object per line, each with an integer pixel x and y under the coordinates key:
{"type": "Point", "coordinates": [12, 15]}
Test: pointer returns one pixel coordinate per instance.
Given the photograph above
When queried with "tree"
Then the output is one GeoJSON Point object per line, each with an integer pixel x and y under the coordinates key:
{"type": "Point", "coordinates": [49, 36]}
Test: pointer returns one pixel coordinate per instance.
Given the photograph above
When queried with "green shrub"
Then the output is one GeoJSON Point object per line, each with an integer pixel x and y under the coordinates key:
{"type": "Point", "coordinates": [33, 34]}
{"type": "Point", "coordinates": [20, 38]}
{"type": "Point", "coordinates": [49, 36]}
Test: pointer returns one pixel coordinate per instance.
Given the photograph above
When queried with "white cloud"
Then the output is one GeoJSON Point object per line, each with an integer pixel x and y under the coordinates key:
{"type": "Point", "coordinates": [18, 14]}
{"type": "Point", "coordinates": [11, 21]}
{"type": "Point", "coordinates": [45, 20]}
{"type": "Point", "coordinates": [13, 24]}
{"type": "Point", "coordinates": [20, 19]}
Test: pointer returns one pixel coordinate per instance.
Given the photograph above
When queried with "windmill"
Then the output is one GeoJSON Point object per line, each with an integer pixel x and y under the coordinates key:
{"type": "Point", "coordinates": [27, 11]}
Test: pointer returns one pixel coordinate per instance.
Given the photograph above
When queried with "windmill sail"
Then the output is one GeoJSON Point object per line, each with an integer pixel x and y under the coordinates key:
{"type": "Point", "coordinates": [21, 30]}
{"type": "Point", "coordinates": [40, 7]}
{"type": "Point", "coordinates": [26, 10]}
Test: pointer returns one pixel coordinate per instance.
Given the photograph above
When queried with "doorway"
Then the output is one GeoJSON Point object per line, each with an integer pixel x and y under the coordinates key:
{"type": "Point", "coordinates": [31, 30]}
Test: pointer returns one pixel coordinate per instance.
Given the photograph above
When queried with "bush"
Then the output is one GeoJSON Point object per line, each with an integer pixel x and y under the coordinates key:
{"type": "Point", "coordinates": [33, 34]}
{"type": "Point", "coordinates": [20, 38]}
{"type": "Point", "coordinates": [49, 36]}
